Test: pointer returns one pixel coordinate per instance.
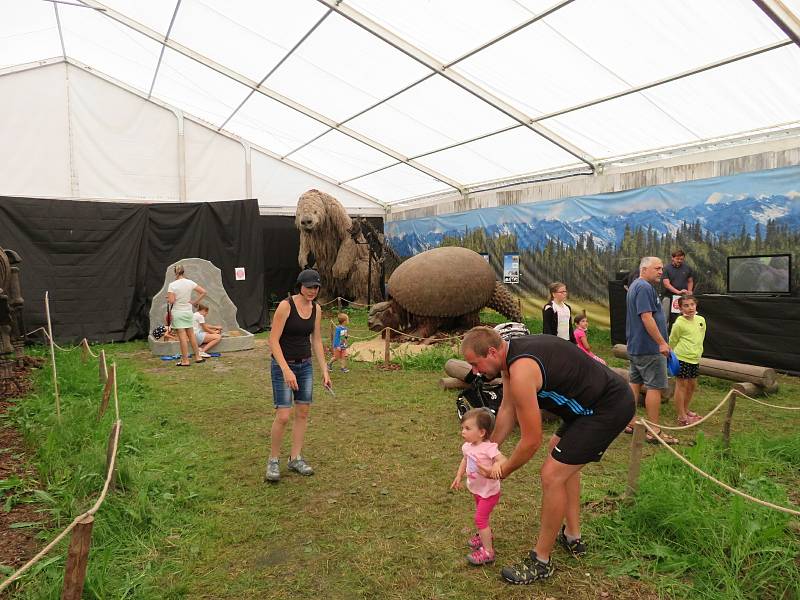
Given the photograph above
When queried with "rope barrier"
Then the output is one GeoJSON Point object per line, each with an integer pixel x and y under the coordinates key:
{"type": "Point", "coordinates": [715, 480]}
{"type": "Point", "coordinates": [81, 343]}
{"type": "Point", "coordinates": [733, 392]}
{"type": "Point", "coordinates": [89, 513]}
{"type": "Point", "coordinates": [47, 335]}
{"type": "Point", "coordinates": [696, 423]}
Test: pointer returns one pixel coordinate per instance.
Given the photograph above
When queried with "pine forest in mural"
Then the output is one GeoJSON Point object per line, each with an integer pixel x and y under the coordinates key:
{"type": "Point", "coordinates": [586, 241]}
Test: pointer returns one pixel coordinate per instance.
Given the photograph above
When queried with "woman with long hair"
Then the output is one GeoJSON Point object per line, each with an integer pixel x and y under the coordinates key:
{"type": "Point", "coordinates": [557, 314]}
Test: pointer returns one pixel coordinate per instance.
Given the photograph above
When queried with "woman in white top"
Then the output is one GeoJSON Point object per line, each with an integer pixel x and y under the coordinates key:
{"type": "Point", "coordinates": [557, 314]}
{"type": "Point", "coordinates": [179, 295]}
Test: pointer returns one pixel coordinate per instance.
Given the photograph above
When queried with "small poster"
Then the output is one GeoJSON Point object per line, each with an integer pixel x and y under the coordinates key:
{"type": "Point", "coordinates": [485, 256]}
{"type": "Point", "coordinates": [676, 307]}
{"type": "Point", "coordinates": [511, 267]}
{"type": "Point", "coordinates": [240, 276]}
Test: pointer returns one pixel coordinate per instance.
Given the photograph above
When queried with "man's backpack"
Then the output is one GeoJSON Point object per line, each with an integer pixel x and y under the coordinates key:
{"type": "Point", "coordinates": [479, 395]}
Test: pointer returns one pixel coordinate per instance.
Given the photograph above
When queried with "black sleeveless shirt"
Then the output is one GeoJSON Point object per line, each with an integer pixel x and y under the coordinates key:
{"type": "Point", "coordinates": [295, 340]}
{"type": "Point", "coordinates": [573, 383]}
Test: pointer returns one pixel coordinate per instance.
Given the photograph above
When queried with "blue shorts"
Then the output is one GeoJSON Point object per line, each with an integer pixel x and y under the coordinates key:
{"type": "Point", "coordinates": [282, 394]}
{"type": "Point", "coordinates": [200, 336]}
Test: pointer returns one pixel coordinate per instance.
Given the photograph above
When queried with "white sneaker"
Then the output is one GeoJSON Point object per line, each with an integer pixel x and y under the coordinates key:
{"type": "Point", "coordinates": [205, 355]}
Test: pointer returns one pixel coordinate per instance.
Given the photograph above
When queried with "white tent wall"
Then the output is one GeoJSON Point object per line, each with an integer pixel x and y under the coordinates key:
{"type": "Point", "coordinates": [772, 154]}
{"type": "Point", "coordinates": [215, 165]}
{"type": "Point", "coordinates": [35, 153]}
{"type": "Point", "coordinates": [75, 134]}
{"type": "Point", "coordinates": [123, 146]}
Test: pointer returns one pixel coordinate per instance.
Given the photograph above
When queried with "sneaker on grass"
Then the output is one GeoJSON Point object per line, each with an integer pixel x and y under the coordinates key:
{"type": "Point", "coordinates": [300, 466]}
{"type": "Point", "coordinates": [576, 547]}
{"type": "Point", "coordinates": [204, 354]}
{"type": "Point", "coordinates": [529, 570]}
{"type": "Point", "coordinates": [273, 470]}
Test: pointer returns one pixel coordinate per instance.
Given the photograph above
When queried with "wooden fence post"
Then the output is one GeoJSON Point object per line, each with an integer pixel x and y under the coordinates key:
{"type": "Point", "coordinates": [637, 443]}
{"type": "Point", "coordinates": [110, 382]}
{"type": "Point", "coordinates": [339, 303]}
{"type": "Point", "coordinates": [77, 557]}
{"type": "Point", "coordinates": [726, 426]}
{"type": "Point", "coordinates": [387, 355]}
{"type": "Point", "coordinates": [101, 361]}
{"type": "Point", "coordinates": [110, 454]}
{"type": "Point", "coordinates": [84, 351]}
{"type": "Point", "coordinates": [52, 353]}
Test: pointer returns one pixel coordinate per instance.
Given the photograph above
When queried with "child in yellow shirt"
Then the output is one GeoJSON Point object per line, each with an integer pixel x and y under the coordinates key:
{"type": "Point", "coordinates": [686, 339]}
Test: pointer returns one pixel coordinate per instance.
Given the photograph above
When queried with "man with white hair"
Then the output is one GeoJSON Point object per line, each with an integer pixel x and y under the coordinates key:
{"type": "Point", "coordinates": [646, 334]}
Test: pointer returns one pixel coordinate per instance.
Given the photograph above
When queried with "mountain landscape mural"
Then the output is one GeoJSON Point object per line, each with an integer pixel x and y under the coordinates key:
{"type": "Point", "coordinates": [585, 241]}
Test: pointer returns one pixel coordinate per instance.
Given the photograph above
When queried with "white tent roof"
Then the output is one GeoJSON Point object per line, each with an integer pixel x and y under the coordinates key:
{"type": "Point", "coordinates": [406, 99]}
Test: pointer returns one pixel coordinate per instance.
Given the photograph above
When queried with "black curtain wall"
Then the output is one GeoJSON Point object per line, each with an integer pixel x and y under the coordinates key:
{"type": "Point", "coordinates": [102, 262]}
{"type": "Point", "coordinates": [755, 330]}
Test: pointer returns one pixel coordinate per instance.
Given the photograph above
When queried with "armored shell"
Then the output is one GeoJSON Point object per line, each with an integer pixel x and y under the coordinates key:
{"type": "Point", "coordinates": [443, 282]}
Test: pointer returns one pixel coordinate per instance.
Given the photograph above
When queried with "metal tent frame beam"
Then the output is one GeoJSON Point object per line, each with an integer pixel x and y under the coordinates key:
{"type": "Point", "coordinates": [782, 17]}
{"type": "Point", "coordinates": [465, 56]}
{"type": "Point", "coordinates": [623, 93]}
{"type": "Point", "coordinates": [456, 78]}
{"type": "Point", "coordinates": [245, 81]}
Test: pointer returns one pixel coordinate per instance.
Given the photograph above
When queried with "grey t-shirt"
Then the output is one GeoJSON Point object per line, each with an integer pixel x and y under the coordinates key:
{"type": "Point", "coordinates": [642, 298]}
{"type": "Point", "coordinates": [678, 276]}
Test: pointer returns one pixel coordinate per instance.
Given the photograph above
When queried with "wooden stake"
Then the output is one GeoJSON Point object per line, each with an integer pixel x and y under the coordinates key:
{"type": "Point", "coordinates": [52, 354]}
{"type": "Point", "coordinates": [110, 383]}
{"type": "Point", "coordinates": [84, 351]}
{"type": "Point", "coordinates": [637, 443]}
{"type": "Point", "coordinates": [387, 355]}
{"type": "Point", "coordinates": [101, 360]}
{"type": "Point", "coordinates": [726, 426]}
{"type": "Point", "coordinates": [339, 302]}
{"type": "Point", "coordinates": [110, 454]}
{"type": "Point", "coordinates": [77, 557]}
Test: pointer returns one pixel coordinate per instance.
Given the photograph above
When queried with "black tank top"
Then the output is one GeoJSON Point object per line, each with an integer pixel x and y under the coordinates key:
{"type": "Point", "coordinates": [295, 340]}
{"type": "Point", "coordinates": [573, 383]}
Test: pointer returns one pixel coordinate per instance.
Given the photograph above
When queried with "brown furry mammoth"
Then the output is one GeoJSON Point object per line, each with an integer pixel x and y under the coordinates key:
{"type": "Point", "coordinates": [325, 233]}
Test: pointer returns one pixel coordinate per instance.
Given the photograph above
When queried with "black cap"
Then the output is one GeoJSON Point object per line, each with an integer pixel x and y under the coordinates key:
{"type": "Point", "coordinates": [309, 278]}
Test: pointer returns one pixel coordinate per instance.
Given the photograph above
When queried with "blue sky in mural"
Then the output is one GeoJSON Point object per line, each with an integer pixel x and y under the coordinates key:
{"type": "Point", "coordinates": [722, 205]}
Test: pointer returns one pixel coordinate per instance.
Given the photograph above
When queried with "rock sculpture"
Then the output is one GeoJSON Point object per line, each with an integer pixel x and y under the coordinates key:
{"type": "Point", "coordinates": [441, 289]}
{"type": "Point", "coordinates": [221, 309]}
{"type": "Point", "coordinates": [340, 252]}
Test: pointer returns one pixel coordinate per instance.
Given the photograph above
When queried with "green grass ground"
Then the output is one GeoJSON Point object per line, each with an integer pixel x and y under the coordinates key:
{"type": "Point", "coordinates": [193, 518]}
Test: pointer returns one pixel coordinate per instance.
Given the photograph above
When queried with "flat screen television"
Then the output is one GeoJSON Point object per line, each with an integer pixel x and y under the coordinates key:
{"type": "Point", "coordinates": [760, 274]}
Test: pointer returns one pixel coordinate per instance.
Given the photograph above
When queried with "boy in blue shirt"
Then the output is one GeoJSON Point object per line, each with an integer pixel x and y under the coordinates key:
{"type": "Point", "coordinates": [340, 343]}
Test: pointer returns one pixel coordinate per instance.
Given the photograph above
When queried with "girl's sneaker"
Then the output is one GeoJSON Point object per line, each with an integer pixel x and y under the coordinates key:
{"type": "Point", "coordinates": [481, 557]}
{"type": "Point", "coordinates": [475, 541]}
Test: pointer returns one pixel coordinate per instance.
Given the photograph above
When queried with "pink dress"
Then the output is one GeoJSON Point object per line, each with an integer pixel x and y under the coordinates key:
{"type": "Point", "coordinates": [580, 339]}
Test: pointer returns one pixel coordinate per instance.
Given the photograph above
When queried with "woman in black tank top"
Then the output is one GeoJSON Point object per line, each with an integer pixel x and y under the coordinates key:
{"type": "Point", "coordinates": [295, 327]}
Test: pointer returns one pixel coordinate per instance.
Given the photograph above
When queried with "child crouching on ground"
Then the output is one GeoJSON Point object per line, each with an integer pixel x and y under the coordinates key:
{"type": "Point", "coordinates": [686, 339]}
{"type": "Point", "coordinates": [476, 427]}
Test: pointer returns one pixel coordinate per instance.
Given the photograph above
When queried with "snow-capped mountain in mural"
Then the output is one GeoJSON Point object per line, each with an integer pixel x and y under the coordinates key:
{"type": "Point", "coordinates": [719, 215]}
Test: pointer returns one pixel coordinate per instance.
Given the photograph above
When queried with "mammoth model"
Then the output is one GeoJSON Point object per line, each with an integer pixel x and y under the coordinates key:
{"type": "Point", "coordinates": [444, 288]}
{"type": "Point", "coordinates": [340, 252]}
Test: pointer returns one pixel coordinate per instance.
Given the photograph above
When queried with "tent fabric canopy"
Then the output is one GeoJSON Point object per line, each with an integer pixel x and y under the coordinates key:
{"type": "Point", "coordinates": [399, 100]}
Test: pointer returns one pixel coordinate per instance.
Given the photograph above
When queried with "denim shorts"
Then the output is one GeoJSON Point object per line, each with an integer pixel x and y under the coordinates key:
{"type": "Point", "coordinates": [282, 394]}
{"type": "Point", "coordinates": [649, 369]}
{"type": "Point", "coordinates": [200, 336]}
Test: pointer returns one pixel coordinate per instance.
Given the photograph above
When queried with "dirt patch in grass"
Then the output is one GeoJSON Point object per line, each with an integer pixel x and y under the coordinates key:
{"type": "Point", "coordinates": [17, 543]}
